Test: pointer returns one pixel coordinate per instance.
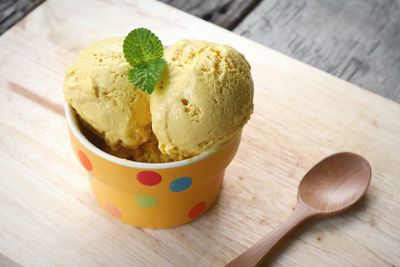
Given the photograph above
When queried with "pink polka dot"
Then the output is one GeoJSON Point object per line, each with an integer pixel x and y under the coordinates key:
{"type": "Point", "coordinates": [112, 210]}
{"type": "Point", "coordinates": [85, 161]}
{"type": "Point", "coordinates": [196, 210]}
{"type": "Point", "coordinates": [149, 178]}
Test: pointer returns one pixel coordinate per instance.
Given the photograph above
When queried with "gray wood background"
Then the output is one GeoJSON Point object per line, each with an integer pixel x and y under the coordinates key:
{"type": "Point", "coordinates": [11, 11]}
{"type": "Point", "coordinates": [356, 40]}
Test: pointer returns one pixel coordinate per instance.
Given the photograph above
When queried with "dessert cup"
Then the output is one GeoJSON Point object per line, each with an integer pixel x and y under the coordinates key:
{"type": "Point", "coordinates": [152, 195]}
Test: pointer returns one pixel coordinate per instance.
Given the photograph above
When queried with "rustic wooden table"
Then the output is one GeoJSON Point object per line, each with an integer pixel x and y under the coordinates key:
{"type": "Point", "coordinates": [356, 40]}
{"type": "Point", "coordinates": [48, 214]}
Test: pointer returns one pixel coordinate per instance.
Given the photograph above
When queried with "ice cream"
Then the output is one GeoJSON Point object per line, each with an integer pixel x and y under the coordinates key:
{"type": "Point", "coordinates": [203, 99]}
{"type": "Point", "coordinates": [97, 88]}
{"type": "Point", "coordinates": [139, 101]}
{"type": "Point", "coordinates": [146, 152]}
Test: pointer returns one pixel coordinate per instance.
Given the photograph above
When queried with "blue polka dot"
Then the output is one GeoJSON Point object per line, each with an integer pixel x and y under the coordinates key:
{"type": "Point", "coordinates": [180, 184]}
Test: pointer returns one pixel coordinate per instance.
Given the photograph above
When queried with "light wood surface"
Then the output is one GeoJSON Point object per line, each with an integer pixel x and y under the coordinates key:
{"type": "Point", "coordinates": [48, 214]}
{"type": "Point", "coordinates": [355, 40]}
{"type": "Point", "coordinates": [332, 186]}
{"type": "Point", "coordinates": [6, 262]}
{"type": "Point", "coordinates": [259, 253]}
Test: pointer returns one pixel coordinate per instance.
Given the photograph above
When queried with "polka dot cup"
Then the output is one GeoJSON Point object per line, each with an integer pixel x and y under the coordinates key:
{"type": "Point", "coordinates": [154, 195]}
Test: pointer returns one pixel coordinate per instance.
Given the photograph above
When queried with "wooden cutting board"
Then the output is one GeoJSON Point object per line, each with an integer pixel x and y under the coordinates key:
{"type": "Point", "coordinates": [48, 216]}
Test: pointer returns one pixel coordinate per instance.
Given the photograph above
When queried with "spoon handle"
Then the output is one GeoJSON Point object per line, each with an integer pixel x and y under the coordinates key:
{"type": "Point", "coordinates": [260, 251]}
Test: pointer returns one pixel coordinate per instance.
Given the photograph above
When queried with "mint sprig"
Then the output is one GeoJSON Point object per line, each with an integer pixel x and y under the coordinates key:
{"type": "Point", "coordinates": [146, 75]}
{"type": "Point", "coordinates": [143, 51]}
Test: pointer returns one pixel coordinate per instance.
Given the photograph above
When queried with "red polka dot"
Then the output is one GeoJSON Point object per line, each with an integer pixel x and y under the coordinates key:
{"type": "Point", "coordinates": [112, 210]}
{"type": "Point", "coordinates": [196, 210]}
{"type": "Point", "coordinates": [149, 178]}
{"type": "Point", "coordinates": [85, 161]}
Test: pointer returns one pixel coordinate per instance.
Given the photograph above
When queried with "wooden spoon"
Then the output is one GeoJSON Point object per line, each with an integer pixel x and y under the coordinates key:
{"type": "Point", "coordinates": [330, 187]}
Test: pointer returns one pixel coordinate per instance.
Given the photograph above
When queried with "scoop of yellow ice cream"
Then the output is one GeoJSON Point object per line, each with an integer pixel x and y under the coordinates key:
{"type": "Point", "coordinates": [98, 89]}
{"type": "Point", "coordinates": [203, 99]}
{"type": "Point", "coordinates": [147, 152]}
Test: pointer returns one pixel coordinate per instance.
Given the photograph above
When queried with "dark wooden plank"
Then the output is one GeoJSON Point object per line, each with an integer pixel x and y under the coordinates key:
{"type": "Point", "coordinates": [357, 40]}
{"type": "Point", "coordinates": [11, 11]}
{"type": "Point", "coordinates": [225, 13]}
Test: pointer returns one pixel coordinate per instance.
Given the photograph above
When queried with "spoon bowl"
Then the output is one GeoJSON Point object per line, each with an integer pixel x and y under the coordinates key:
{"type": "Point", "coordinates": [335, 183]}
{"type": "Point", "coordinates": [331, 186]}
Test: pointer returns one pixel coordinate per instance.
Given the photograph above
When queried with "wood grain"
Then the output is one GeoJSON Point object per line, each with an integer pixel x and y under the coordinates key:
{"type": "Point", "coordinates": [11, 11]}
{"type": "Point", "coordinates": [357, 40]}
{"type": "Point", "coordinates": [49, 216]}
{"type": "Point", "coordinates": [225, 13]}
{"type": "Point", "coordinates": [332, 186]}
{"type": "Point", "coordinates": [258, 254]}
{"type": "Point", "coordinates": [6, 262]}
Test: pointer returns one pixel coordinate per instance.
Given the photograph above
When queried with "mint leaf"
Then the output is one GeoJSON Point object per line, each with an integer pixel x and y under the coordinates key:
{"type": "Point", "coordinates": [143, 51]}
{"type": "Point", "coordinates": [145, 75]}
{"type": "Point", "coordinates": [142, 46]}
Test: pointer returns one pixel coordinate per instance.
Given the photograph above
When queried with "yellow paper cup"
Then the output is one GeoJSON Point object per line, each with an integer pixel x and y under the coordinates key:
{"type": "Point", "coordinates": [153, 195]}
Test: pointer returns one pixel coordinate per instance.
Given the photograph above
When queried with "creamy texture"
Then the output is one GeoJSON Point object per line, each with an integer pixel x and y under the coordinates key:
{"type": "Point", "coordinates": [97, 87]}
{"type": "Point", "coordinates": [147, 152]}
{"type": "Point", "coordinates": [204, 98]}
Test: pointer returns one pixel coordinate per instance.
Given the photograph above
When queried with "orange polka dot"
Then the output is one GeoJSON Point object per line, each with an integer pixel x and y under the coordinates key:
{"type": "Point", "coordinates": [85, 161]}
{"type": "Point", "coordinates": [113, 211]}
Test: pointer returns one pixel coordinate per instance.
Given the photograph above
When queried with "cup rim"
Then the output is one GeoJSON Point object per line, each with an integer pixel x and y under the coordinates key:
{"type": "Point", "coordinates": [72, 122]}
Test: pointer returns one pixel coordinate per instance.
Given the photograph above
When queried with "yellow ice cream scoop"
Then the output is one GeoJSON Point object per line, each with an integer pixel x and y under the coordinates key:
{"type": "Point", "coordinates": [147, 152]}
{"type": "Point", "coordinates": [204, 97]}
{"type": "Point", "coordinates": [98, 89]}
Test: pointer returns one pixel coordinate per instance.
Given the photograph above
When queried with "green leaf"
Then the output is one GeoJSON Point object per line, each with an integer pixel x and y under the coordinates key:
{"type": "Point", "coordinates": [142, 46]}
{"type": "Point", "coordinates": [145, 75]}
{"type": "Point", "coordinates": [143, 51]}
